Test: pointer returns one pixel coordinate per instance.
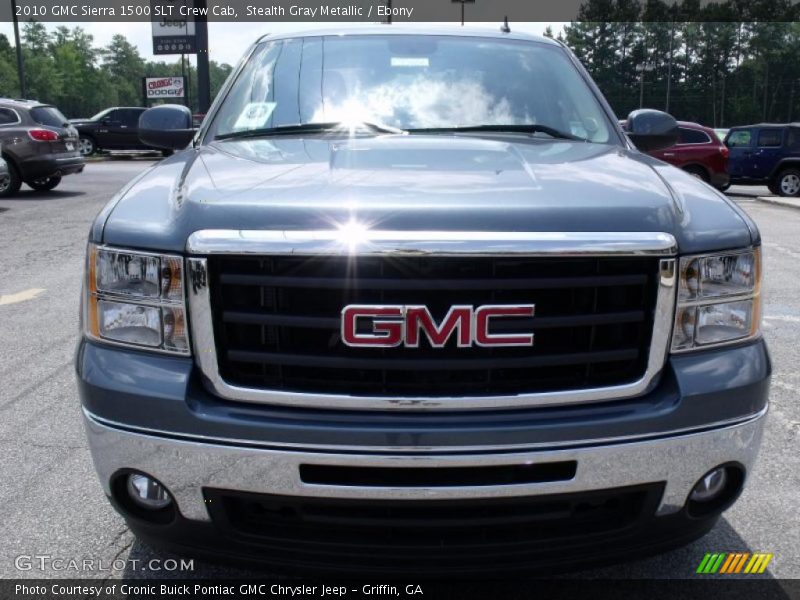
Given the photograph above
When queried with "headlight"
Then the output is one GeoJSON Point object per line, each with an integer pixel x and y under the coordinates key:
{"type": "Point", "coordinates": [136, 299]}
{"type": "Point", "coordinates": [719, 300]}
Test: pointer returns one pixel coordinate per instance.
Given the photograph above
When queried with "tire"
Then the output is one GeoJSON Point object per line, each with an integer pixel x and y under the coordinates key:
{"type": "Point", "coordinates": [87, 145]}
{"type": "Point", "coordinates": [698, 172]}
{"type": "Point", "coordinates": [789, 183]}
{"type": "Point", "coordinates": [10, 185]}
{"type": "Point", "coordinates": [724, 188]}
{"type": "Point", "coordinates": [45, 185]}
{"type": "Point", "coordinates": [774, 188]}
{"type": "Point", "coordinates": [167, 153]}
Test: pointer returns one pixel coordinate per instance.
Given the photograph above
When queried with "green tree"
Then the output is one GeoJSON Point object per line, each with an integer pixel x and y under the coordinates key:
{"type": "Point", "coordinates": [124, 67]}
{"type": "Point", "coordinates": [9, 84]}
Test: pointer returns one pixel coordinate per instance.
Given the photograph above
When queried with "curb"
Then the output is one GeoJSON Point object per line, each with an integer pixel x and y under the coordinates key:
{"type": "Point", "coordinates": [778, 200]}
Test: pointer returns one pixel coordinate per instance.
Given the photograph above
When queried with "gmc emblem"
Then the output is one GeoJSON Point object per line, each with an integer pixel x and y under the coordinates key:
{"type": "Point", "coordinates": [392, 326]}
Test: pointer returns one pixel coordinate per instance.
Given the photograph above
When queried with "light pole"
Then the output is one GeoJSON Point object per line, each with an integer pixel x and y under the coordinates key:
{"type": "Point", "coordinates": [642, 68]}
{"type": "Point", "coordinates": [20, 67]}
{"type": "Point", "coordinates": [669, 68]}
{"type": "Point", "coordinates": [203, 75]}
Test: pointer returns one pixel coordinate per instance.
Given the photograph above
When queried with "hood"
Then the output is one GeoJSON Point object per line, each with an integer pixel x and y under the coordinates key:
{"type": "Point", "coordinates": [397, 182]}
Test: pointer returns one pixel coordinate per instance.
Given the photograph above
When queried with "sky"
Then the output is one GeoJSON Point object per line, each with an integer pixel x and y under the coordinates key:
{"type": "Point", "coordinates": [228, 41]}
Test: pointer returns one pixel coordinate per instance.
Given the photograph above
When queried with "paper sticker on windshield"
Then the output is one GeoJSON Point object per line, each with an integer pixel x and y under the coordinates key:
{"type": "Point", "coordinates": [255, 115]}
{"type": "Point", "coordinates": [401, 61]}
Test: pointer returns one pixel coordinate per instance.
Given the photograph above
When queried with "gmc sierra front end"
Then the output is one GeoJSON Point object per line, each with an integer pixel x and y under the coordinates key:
{"type": "Point", "coordinates": [358, 326]}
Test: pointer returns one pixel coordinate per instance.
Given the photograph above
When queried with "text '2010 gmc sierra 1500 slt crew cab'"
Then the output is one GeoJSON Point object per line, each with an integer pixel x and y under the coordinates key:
{"type": "Point", "coordinates": [413, 302]}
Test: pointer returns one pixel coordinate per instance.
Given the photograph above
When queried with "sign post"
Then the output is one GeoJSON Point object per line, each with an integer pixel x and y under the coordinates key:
{"type": "Point", "coordinates": [176, 33]}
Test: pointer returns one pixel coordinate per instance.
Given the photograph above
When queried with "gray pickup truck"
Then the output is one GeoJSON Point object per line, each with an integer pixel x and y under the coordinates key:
{"type": "Point", "coordinates": [413, 302]}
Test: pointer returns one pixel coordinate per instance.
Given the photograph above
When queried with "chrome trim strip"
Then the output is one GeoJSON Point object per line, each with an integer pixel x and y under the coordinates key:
{"type": "Point", "coordinates": [206, 356]}
{"type": "Point", "coordinates": [351, 239]}
{"type": "Point", "coordinates": [418, 450]}
{"type": "Point", "coordinates": [186, 467]}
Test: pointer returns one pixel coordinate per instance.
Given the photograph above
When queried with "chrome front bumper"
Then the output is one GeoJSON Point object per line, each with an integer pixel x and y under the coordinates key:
{"type": "Point", "coordinates": [186, 467]}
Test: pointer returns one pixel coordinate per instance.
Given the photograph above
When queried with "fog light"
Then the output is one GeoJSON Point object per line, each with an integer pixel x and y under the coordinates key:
{"type": "Point", "coordinates": [148, 493]}
{"type": "Point", "coordinates": [710, 486]}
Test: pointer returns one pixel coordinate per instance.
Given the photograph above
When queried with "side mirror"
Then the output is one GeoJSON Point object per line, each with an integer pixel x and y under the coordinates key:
{"type": "Point", "coordinates": [651, 130]}
{"type": "Point", "coordinates": [168, 127]}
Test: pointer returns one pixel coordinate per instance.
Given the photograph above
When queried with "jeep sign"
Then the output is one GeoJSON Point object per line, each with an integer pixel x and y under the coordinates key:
{"type": "Point", "coordinates": [163, 87]}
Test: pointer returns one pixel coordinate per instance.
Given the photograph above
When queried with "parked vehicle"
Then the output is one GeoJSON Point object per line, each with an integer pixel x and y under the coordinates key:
{"type": "Point", "coordinates": [472, 329]}
{"type": "Point", "coordinates": [114, 128]}
{"type": "Point", "coordinates": [766, 154]}
{"type": "Point", "coordinates": [5, 176]}
{"type": "Point", "coordinates": [700, 153]}
{"type": "Point", "coordinates": [38, 144]}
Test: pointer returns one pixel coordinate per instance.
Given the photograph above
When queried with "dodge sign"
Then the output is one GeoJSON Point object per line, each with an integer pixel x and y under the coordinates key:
{"type": "Point", "coordinates": [163, 87]}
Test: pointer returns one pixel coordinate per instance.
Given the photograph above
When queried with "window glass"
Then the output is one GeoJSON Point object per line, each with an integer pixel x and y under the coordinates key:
{"type": "Point", "coordinates": [793, 139]}
{"type": "Point", "coordinates": [7, 116]}
{"type": "Point", "coordinates": [102, 114]}
{"type": "Point", "coordinates": [49, 116]}
{"type": "Point", "coordinates": [129, 117]}
{"type": "Point", "coordinates": [771, 138]}
{"type": "Point", "coordinates": [411, 82]}
{"type": "Point", "coordinates": [692, 136]}
{"type": "Point", "coordinates": [741, 137]}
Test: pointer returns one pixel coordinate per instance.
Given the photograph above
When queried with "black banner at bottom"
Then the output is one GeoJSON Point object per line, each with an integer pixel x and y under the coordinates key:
{"type": "Point", "coordinates": [589, 589]}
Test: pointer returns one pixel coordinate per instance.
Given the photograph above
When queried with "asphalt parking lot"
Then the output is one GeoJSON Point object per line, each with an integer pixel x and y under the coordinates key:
{"type": "Point", "coordinates": [53, 504]}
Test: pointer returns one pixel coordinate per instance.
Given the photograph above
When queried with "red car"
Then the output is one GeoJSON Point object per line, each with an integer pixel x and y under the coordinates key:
{"type": "Point", "coordinates": [700, 152]}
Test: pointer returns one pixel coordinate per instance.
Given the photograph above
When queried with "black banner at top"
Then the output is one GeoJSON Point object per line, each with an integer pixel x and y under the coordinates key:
{"type": "Point", "coordinates": [398, 11]}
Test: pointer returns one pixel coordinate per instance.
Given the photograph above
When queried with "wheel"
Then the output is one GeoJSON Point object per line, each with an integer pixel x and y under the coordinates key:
{"type": "Point", "coordinates": [724, 188]}
{"type": "Point", "coordinates": [698, 172]}
{"type": "Point", "coordinates": [45, 185]}
{"type": "Point", "coordinates": [789, 183]}
{"type": "Point", "coordinates": [10, 184]}
{"type": "Point", "coordinates": [87, 146]}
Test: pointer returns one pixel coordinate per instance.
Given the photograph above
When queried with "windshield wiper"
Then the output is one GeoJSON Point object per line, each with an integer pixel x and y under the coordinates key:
{"type": "Point", "coordinates": [552, 132]}
{"type": "Point", "coordinates": [308, 128]}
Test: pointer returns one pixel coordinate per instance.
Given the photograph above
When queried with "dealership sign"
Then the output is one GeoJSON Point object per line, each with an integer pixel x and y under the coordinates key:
{"type": "Point", "coordinates": [163, 87]}
{"type": "Point", "coordinates": [173, 27]}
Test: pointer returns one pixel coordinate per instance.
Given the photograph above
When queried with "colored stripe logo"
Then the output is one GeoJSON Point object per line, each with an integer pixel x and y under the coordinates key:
{"type": "Point", "coordinates": [734, 562]}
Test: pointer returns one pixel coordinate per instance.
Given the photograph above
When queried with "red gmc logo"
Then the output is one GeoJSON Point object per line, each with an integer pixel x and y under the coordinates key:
{"type": "Point", "coordinates": [392, 326]}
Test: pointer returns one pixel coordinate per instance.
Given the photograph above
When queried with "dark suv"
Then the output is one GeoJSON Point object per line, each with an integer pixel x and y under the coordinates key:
{"type": "Point", "coordinates": [766, 155]}
{"type": "Point", "coordinates": [38, 144]}
{"type": "Point", "coordinates": [111, 129]}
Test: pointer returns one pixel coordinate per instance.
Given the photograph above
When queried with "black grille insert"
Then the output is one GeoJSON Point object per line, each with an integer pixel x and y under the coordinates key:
{"type": "Point", "coordinates": [377, 532]}
{"type": "Point", "coordinates": [277, 321]}
{"type": "Point", "coordinates": [438, 476]}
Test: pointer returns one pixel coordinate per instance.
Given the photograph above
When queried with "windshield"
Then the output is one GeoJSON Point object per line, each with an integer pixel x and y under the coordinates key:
{"type": "Point", "coordinates": [412, 83]}
{"type": "Point", "coordinates": [101, 114]}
